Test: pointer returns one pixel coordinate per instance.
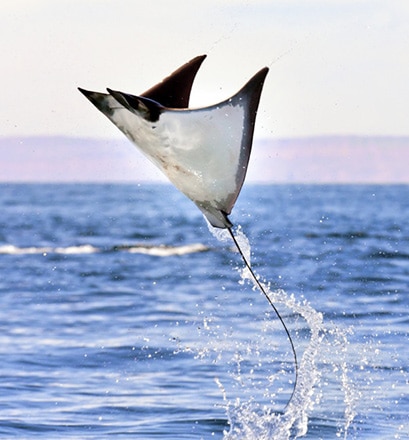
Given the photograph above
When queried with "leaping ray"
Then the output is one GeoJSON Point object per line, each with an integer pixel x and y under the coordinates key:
{"type": "Point", "coordinates": [204, 152]}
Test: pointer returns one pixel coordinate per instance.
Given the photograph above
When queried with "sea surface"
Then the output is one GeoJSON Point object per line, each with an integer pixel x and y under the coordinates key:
{"type": "Point", "coordinates": [122, 315]}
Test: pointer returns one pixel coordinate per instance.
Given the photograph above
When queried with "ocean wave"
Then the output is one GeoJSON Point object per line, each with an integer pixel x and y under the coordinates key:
{"type": "Point", "coordinates": [154, 250]}
{"type": "Point", "coordinates": [82, 249]}
{"type": "Point", "coordinates": [166, 251]}
{"type": "Point", "coordinates": [15, 250]}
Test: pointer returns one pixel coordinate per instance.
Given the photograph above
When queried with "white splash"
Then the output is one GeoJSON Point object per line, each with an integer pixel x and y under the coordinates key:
{"type": "Point", "coordinates": [250, 422]}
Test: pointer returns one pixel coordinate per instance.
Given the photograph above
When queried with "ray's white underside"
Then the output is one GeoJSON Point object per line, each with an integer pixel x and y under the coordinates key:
{"type": "Point", "coordinates": [198, 150]}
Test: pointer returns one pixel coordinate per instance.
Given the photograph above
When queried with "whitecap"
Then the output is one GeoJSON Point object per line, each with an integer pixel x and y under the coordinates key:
{"type": "Point", "coordinates": [82, 249]}
{"type": "Point", "coordinates": [166, 251]}
{"type": "Point", "coordinates": [15, 250]}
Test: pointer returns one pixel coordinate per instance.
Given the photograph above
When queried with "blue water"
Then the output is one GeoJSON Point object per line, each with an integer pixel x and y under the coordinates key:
{"type": "Point", "coordinates": [122, 316]}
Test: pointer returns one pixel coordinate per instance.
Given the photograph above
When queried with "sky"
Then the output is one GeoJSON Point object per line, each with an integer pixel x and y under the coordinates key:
{"type": "Point", "coordinates": [336, 66]}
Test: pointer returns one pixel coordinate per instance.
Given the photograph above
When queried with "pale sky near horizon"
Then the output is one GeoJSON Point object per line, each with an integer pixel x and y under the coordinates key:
{"type": "Point", "coordinates": [336, 66]}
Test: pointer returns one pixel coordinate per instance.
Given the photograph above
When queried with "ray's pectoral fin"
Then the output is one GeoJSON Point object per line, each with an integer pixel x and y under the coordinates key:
{"type": "Point", "coordinates": [234, 121]}
{"type": "Point", "coordinates": [248, 97]}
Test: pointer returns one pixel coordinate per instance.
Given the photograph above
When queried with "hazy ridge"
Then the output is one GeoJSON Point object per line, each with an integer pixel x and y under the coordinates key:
{"type": "Point", "coordinates": [323, 159]}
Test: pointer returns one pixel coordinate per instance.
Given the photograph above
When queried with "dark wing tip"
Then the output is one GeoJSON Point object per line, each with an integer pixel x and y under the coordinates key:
{"type": "Point", "coordinates": [252, 90]}
{"type": "Point", "coordinates": [86, 93]}
{"type": "Point", "coordinates": [199, 58]}
{"type": "Point", "coordinates": [258, 79]}
{"type": "Point", "coordinates": [174, 90]}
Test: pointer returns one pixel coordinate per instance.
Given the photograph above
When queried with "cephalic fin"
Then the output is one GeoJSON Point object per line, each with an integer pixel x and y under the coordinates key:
{"type": "Point", "coordinates": [140, 105]}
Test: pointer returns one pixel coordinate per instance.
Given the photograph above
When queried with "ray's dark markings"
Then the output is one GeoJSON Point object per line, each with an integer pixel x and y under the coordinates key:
{"type": "Point", "coordinates": [204, 152]}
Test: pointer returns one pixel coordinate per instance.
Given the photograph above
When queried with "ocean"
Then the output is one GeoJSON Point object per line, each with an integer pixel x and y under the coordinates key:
{"type": "Point", "coordinates": [122, 315]}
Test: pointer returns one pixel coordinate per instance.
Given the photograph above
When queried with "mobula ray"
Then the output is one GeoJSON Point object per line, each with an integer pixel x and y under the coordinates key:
{"type": "Point", "coordinates": [203, 151]}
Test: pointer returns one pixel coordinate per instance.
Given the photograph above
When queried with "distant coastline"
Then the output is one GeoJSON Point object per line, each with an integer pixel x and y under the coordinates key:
{"type": "Point", "coordinates": [321, 159]}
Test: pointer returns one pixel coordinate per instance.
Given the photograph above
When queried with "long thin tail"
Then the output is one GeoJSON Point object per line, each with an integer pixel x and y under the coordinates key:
{"type": "Point", "coordinates": [261, 287]}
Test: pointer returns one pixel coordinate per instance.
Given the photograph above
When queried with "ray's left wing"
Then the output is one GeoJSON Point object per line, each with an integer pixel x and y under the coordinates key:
{"type": "Point", "coordinates": [173, 91]}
